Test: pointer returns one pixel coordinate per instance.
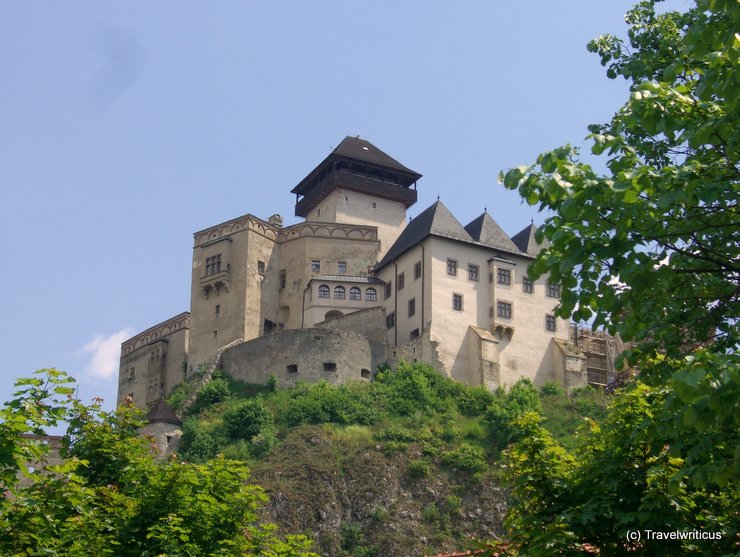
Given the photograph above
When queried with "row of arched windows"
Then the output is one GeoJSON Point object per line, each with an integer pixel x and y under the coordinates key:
{"type": "Point", "coordinates": [340, 293]}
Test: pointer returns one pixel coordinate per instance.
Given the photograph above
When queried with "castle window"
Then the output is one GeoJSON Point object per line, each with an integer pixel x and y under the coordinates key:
{"type": "Point", "coordinates": [504, 276]}
{"type": "Point", "coordinates": [213, 265]}
{"type": "Point", "coordinates": [218, 310]}
{"type": "Point", "coordinates": [261, 267]}
{"type": "Point", "coordinates": [503, 309]}
{"type": "Point", "coordinates": [550, 323]}
{"type": "Point", "coordinates": [553, 290]}
{"type": "Point", "coordinates": [330, 366]}
{"type": "Point", "coordinates": [388, 289]}
{"type": "Point", "coordinates": [215, 333]}
{"type": "Point", "coordinates": [292, 368]}
{"type": "Point", "coordinates": [355, 293]}
{"type": "Point", "coordinates": [414, 334]}
{"type": "Point", "coordinates": [490, 278]}
{"type": "Point", "coordinates": [339, 293]}
{"type": "Point", "coordinates": [457, 302]}
{"type": "Point", "coordinates": [527, 285]}
{"type": "Point", "coordinates": [452, 267]}
{"type": "Point", "coordinates": [342, 267]}
{"type": "Point", "coordinates": [283, 278]}
{"type": "Point", "coordinates": [315, 266]}
{"type": "Point", "coordinates": [365, 373]}
{"type": "Point", "coordinates": [324, 291]}
{"type": "Point", "coordinates": [412, 306]}
{"type": "Point", "coordinates": [473, 272]}
{"type": "Point", "coordinates": [490, 311]}
{"type": "Point", "coordinates": [371, 295]}
{"type": "Point", "coordinates": [390, 320]}
{"type": "Point", "coordinates": [417, 270]}
{"type": "Point", "coordinates": [401, 282]}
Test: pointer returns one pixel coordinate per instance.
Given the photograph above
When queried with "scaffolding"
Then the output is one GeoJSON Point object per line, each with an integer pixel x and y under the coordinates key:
{"type": "Point", "coordinates": [601, 351]}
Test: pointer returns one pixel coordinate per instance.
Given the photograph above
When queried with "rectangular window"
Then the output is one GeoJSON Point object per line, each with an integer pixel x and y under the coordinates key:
{"type": "Point", "coordinates": [490, 311]}
{"type": "Point", "coordinates": [553, 290]}
{"type": "Point", "coordinates": [457, 302]}
{"type": "Point", "coordinates": [330, 366]}
{"type": "Point", "coordinates": [283, 278]}
{"type": "Point", "coordinates": [388, 289]}
{"type": "Point", "coordinates": [504, 276]}
{"type": "Point", "coordinates": [261, 267]}
{"type": "Point", "coordinates": [473, 272]}
{"type": "Point", "coordinates": [414, 334]}
{"type": "Point", "coordinates": [452, 267]}
{"type": "Point", "coordinates": [527, 285]}
{"type": "Point", "coordinates": [490, 278]}
{"type": "Point", "coordinates": [412, 306]}
{"type": "Point", "coordinates": [342, 267]}
{"type": "Point", "coordinates": [550, 323]}
{"type": "Point", "coordinates": [417, 270]}
{"type": "Point", "coordinates": [292, 368]}
{"type": "Point", "coordinates": [218, 310]}
{"type": "Point", "coordinates": [213, 265]}
{"type": "Point", "coordinates": [401, 282]}
{"type": "Point", "coordinates": [503, 309]}
{"type": "Point", "coordinates": [315, 266]}
{"type": "Point", "coordinates": [390, 320]}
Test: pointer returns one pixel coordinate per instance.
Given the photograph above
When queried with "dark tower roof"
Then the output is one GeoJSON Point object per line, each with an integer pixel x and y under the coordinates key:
{"type": "Point", "coordinates": [433, 221]}
{"type": "Point", "coordinates": [487, 231]}
{"type": "Point", "coordinates": [526, 242]}
{"type": "Point", "coordinates": [358, 165]}
{"type": "Point", "coordinates": [161, 412]}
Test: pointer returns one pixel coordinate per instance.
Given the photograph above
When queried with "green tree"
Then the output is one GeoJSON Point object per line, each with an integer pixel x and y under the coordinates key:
{"type": "Point", "coordinates": [650, 249]}
{"type": "Point", "coordinates": [111, 497]}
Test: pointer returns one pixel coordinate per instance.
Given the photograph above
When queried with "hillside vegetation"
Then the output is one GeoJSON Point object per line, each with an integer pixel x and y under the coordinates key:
{"type": "Point", "coordinates": [405, 464]}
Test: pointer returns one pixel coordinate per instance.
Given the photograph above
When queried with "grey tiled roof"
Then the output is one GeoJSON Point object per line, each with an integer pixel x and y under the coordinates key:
{"type": "Point", "coordinates": [434, 221]}
{"type": "Point", "coordinates": [526, 242]}
{"type": "Point", "coordinates": [161, 412]}
{"type": "Point", "coordinates": [362, 150]}
{"type": "Point", "coordinates": [487, 231]}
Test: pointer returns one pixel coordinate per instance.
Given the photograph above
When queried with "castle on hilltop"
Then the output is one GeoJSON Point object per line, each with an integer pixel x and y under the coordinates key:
{"type": "Point", "coordinates": [354, 286]}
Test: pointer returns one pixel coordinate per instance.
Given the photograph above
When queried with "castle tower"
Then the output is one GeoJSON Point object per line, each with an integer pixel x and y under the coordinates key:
{"type": "Point", "coordinates": [359, 184]}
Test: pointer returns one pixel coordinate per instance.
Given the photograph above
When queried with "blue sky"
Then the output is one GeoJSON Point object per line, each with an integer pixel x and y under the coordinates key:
{"type": "Point", "coordinates": [127, 126]}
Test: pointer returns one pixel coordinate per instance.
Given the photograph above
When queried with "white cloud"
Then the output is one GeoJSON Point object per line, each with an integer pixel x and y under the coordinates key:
{"type": "Point", "coordinates": [106, 351]}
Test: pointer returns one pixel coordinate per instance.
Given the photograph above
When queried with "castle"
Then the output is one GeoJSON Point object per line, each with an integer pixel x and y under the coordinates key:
{"type": "Point", "coordinates": [356, 285]}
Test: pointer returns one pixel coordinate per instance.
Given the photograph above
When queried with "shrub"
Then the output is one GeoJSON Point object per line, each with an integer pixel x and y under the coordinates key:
{"type": "Point", "coordinates": [521, 398]}
{"type": "Point", "coordinates": [262, 443]}
{"type": "Point", "coordinates": [216, 390]}
{"type": "Point", "coordinates": [466, 457]}
{"type": "Point", "coordinates": [350, 403]}
{"type": "Point", "coordinates": [473, 401]}
{"type": "Point", "coordinates": [552, 388]}
{"type": "Point", "coordinates": [247, 420]}
{"type": "Point", "coordinates": [418, 468]}
{"type": "Point", "coordinates": [199, 444]}
{"type": "Point", "coordinates": [273, 383]}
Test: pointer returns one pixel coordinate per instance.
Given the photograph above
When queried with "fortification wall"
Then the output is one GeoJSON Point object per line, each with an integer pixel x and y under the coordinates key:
{"type": "Point", "coordinates": [336, 356]}
{"type": "Point", "coordinates": [368, 322]}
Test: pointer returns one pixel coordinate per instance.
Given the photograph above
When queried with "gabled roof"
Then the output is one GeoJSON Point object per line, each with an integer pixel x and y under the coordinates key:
{"type": "Point", "coordinates": [526, 242]}
{"type": "Point", "coordinates": [161, 412]}
{"type": "Point", "coordinates": [487, 231]}
{"type": "Point", "coordinates": [434, 221]}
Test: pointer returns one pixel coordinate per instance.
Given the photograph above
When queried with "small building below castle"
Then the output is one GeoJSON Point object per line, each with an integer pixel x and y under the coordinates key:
{"type": "Point", "coordinates": [356, 285]}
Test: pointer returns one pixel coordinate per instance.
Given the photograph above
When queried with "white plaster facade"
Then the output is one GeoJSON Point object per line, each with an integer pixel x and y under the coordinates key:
{"type": "Point", "coordinates": [356, 251]}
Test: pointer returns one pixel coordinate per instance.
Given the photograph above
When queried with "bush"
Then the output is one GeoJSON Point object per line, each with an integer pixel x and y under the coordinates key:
{"type": "Point", "coordinates": [552, 388]}
{"type": "Point", "coordinates": [505, 408]}
{"type": "Point", "coordinates": [247, 420]}
{"type": "Point", "coordinates": [216, 390]}
{"type": "Point", "coordinates": [418, 468]}
{"type": "Point", "coordinates": [199, 444]}
{"type": "Point", "coordinates": [473, 401]}
{"type": "Point", "coordinates": [273, 383]}
{"type": "Point", "coordinates": [350, 403]}
{"type": "Point", "coordinates": [466, 457]}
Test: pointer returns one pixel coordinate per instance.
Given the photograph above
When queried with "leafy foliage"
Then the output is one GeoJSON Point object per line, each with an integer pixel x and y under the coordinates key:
{"type": "Point", "coordinates": [502, 412]}
{"type": "Point", "coordinates": [649, 250]}
{"type": "Point", "coordinates": [111, 497]}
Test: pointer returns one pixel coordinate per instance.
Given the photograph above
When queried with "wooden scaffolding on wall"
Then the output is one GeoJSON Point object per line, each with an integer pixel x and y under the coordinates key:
{"type": "Point", "coordinates": [601, 350]}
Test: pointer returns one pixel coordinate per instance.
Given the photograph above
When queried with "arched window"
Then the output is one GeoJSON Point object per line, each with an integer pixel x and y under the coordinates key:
{"type": "Point", "coordinates": [371, 295]}
{"type": "Point", "coordinates": [324, 291]}
{"type": "Point", "coordinates": [355, 293]}
{"type": "Point", "coordinates": [339, 293]}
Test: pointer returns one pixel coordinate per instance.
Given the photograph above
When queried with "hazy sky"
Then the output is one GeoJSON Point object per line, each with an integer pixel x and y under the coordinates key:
{"type": "Point", "coordinates": [127, 126]}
